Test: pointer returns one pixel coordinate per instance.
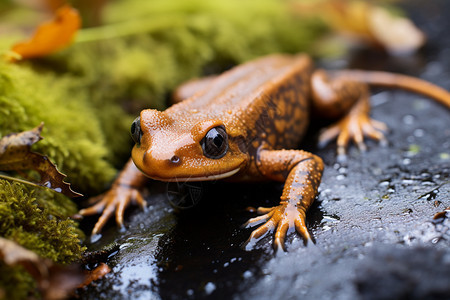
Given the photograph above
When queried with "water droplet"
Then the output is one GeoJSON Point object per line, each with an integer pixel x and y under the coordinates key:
{"type": "Point", "coordinates": [435, 240]}
{"type": "Point", "coordinates": [425, 175]}
{"type": "Point", "coordinates": [95, 238]}
{"type": "Point", "coordinates": [427, 183]}
{"type": "Point", "coordinates": [209, 288]}
{"type": "Point", "coordinates": [247, 274]}
{"type": "Point", "coordinates": [384, 183]}
{"type": "Point", "coordinates": [431, 195]}
{"type": "Point", "coordinates": [342, 170]}
{"type": "Point", "coordinates": [340, 177]}
{"type": "Point", "coordinates": [332, 218]}
{"type": "Point", "coordinates": [407, 181]}
{"type": "Point", "coordinates": [408, 119]}
{"type": "Point", "coordinates": [419, 132]}
{"type": "Point", "coordinates": [326, 228]}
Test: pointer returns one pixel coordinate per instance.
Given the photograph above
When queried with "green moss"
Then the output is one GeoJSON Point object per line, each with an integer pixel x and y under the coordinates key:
{"type": "Point", "coordinates": [35, 220]}
{"type": "Point", "coordinates": [147, 48]}
{"type": "Point", "coordinates": [72, 134]}
{"type": "Point", "coordinates": [38, 220]}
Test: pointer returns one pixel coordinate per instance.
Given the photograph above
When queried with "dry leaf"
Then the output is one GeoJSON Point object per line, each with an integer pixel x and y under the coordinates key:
{"type": "Point", "coordinates": [396, 34]}
{"type": "Point", "coordinates": [13, 254]}
{"type": "Point", "coordinates": [16, 155]}
{"type": "Point", "coordinates": [440, 216]}
{"type": "Point", "coordinates": [364, 22]}
{"type": "Point", "coordinates": [54, 281]}
{"type": "Point", "coordinates": [50, 36]}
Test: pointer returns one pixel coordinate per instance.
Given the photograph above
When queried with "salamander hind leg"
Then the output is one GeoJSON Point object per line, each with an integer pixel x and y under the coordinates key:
{"type": "Point", "coordinates": [347, 99]}
{"type": "Point", "coordinates": [301, 172]}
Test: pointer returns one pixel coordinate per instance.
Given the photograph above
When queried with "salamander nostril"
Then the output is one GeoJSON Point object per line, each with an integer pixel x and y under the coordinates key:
{"type": "Point", "coordinates": [175, 159]}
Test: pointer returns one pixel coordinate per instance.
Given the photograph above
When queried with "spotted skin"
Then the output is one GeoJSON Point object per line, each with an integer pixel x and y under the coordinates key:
{"type": "Point", "coordinates": [262, 109]}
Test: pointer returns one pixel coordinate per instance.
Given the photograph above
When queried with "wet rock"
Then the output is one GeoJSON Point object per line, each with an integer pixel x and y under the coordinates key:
{"type": "Point", "coordinates": [404, 273]}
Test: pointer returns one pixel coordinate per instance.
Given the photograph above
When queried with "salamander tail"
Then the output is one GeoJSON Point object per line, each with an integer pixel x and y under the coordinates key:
{"type": "Point", "coordinates": [392, 80]}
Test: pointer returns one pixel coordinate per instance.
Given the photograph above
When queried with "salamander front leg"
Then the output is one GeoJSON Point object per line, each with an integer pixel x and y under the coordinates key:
{"type": "Point", "coordinates": [124, 190]}
{"type": "Point", "coordinates": [301, 172]}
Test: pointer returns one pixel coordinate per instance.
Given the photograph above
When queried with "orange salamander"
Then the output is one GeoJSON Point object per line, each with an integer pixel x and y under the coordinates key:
{"type": "Point", "coordinates": [244, 124]}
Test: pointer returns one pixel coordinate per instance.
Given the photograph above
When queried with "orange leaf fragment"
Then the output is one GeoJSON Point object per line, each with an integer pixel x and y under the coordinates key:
{"type": "Point", "coordinates": [99, 272]}
{"type": "Point", "coordinates": [50, 36]}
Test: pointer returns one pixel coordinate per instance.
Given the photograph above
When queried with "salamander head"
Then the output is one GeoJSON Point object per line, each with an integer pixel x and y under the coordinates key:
{"type": "Point", "coordinates": [184, 150]}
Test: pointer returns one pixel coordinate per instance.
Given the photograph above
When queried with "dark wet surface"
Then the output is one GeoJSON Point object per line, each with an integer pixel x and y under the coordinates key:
{"type": "Point", "coordinates": [372, 222]}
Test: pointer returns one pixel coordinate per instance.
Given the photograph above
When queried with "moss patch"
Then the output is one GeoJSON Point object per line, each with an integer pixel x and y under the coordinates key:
{"type": "Point", "coordinates": [34, 218]}
{"type": "Point", "coordinates": [72, 135]}
{"type": "Point", "coordinates": [37, 219]}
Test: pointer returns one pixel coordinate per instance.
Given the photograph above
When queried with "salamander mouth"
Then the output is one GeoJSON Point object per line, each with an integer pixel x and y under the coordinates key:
{"type": "Point", "coordinates": [201, 178]}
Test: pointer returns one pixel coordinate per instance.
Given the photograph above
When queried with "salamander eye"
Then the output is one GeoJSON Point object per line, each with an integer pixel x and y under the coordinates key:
{"type": "Point", "coordinates": [136, 132]}
{"type": "Point", "coordinates": [215, 143]}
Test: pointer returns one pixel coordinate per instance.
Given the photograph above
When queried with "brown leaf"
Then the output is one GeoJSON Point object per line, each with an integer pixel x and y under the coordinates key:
{"type": "Point", "coordinates": [62, 281]}
{"type": "Point", "coordinates": [442, 215]}
{"type": "Point", "coordinates": [13, 254]}
{"type": "Point", "coordinates": [54, 281]}
{"type": "Point", "coordinates": [50, 36]}
{"type": "Point", "coordinates": [16, 155]}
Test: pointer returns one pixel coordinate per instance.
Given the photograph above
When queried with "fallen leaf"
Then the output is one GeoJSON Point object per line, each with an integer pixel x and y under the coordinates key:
{"type": "Point", "coordinates": [362, 21]}
{"type": "Point", "coordinates": [396, 34]}
{"type": "Point", "coordinates": [13, 254]}
{"type": "Point", "coordinates": [16, 155]}
{"type": "Point", "coordinates": [440, 216]}
{"type": "Point", "coordinates": [50, 36]}
{"type": "Point", "coordinates": [53, 281]}
{"type": "Point", "coordinates": [98, 273]}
